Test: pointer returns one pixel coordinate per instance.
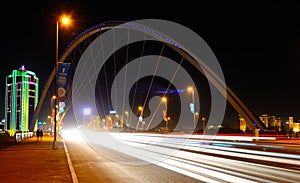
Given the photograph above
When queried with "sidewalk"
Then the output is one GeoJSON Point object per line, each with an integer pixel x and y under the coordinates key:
{"type": "Point", "coordinates": [34, 161]}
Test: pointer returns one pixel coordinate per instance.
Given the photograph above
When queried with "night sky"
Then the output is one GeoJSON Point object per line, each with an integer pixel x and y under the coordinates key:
{"type": "Point", "coordinates": [257, 45]}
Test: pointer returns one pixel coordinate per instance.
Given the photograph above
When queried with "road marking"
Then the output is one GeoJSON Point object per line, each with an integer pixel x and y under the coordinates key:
{"type": "Point", "coordinates": [72, 170]}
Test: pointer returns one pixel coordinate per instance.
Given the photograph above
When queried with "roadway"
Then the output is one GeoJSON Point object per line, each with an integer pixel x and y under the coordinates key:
{"type": "Point", "coordinates": [138, 157]}
{"type": "Point", "coordinates": [106, 165]}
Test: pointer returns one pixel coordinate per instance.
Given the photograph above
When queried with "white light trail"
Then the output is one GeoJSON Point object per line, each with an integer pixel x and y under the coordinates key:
{"type": "Point", "coordinates": [204, 162]}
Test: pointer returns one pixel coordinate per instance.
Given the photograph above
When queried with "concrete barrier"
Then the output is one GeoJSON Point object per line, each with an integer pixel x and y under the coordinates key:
{"type": "Point", "coordinates": [20, 136]}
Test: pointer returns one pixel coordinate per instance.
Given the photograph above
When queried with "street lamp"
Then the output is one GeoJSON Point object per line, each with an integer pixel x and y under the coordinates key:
{"type": "Point", "coordinates": [140, 108]}
{"type": "Point", "coordinates": [103, 123]}
{"type": "Point", "coordinates": [164, 100]}
{"type": "Point", "coordinates": [109, 122]}
{"type": "Point", "coordinates": [126, 120]}
{"type": "Point", "coordinates": [191, 89]}
{"type": "Point", "coordinates": [50, 123]}
{"type": "Point", "coordinates": [63, 20]}
{"type": "Point", "coordinates": [86, 112]}
{"type": "Point", "coordinates": [167, 123]}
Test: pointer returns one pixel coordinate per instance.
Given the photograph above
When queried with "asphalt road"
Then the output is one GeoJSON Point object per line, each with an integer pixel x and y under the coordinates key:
{"type": "Point", "coordinates": [90, 166]}
{"type": "Point", "coordinates": [159, 158]}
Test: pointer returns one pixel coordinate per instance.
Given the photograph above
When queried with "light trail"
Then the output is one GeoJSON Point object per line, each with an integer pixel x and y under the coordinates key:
{"type": "Point", "coordinates": [203, 160]}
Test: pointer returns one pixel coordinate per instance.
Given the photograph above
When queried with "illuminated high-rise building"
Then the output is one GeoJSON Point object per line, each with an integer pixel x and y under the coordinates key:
{"type": "Point", "coordinates": [272, 123]}
{"type": "Point", "coordinates": [265, 119]}
{"type": "Point", "coordinates": [243, 124]}
{"type": "Point", "coordinates": [291, 122]}
{"type": "Point", "coordinates": [21, 99]}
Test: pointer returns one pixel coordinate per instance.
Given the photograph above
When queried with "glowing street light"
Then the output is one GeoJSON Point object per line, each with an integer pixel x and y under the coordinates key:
{"type": "Point", "coordinates": [53, 112]}
{"type": "Point", "coordinates": [50, 123]}
{"type": "Point", "coordinates": [164, 99]}
{"type": "Point", "coordinates": [140, 108]}
{"type": "Point", "coordinates": [63, 20]}
{"type": "Point", "coordinates": [126, 120]}
{"type": "Point", "coordinates": [103, 123]}
{"type": "Point", "coordinates": [53, 98]}
{"type": "Point", "coordinates": [109, 123]}
{"type": "Point", "coordinates": [166, 118]}
{"type": "Point", "coordinates": [87, 111]}
{"type": "Point", "coordinates": [192, 106]}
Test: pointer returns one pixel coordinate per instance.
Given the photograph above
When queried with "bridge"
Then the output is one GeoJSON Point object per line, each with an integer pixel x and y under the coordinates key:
{"type": "Point", "coordinates": [116, 154]}
{"type": "Point", "coordinates": [215, 79]}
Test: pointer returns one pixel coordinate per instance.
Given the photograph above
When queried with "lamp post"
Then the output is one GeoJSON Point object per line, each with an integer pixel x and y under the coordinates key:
{"type": "Point", "coordinates": [140, 108]}
{"type": "Point", "coordinates": [110, 122]}
{"type": "Point", "coordinates": [103, 123]}
{"type": "Point", "coordinates": [86, 112]}
{"type": "Point", "coordinates": [126, 119]}
{"type": "Point", "coordinates": [196, 114]}
{"type": "Point", "coordinates": [204, 119]}
{"type": "Point", "coordinates": [164, 100]}
{"type": "Point", "coordinates": [50, 124]}
{"type": "Point", "coordinates": [191, 89]}
{"type": "Point", "coordinates": [64, 19]}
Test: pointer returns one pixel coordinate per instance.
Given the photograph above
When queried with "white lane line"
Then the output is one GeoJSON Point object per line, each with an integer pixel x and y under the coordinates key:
{"type": "Point", "coordinates": [72, 170]}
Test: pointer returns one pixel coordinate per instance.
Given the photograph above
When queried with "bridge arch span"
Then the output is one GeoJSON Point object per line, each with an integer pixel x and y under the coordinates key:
{"type": "Point", "coordinates": [251, 118]}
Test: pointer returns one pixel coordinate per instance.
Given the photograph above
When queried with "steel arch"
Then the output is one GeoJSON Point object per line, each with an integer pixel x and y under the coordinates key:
{"type": "Point", "coordinates": [251, 118]}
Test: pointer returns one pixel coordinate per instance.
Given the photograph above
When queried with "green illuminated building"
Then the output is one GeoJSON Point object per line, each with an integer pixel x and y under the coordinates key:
{"type": "Point", "coordinates": [21, 98]}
